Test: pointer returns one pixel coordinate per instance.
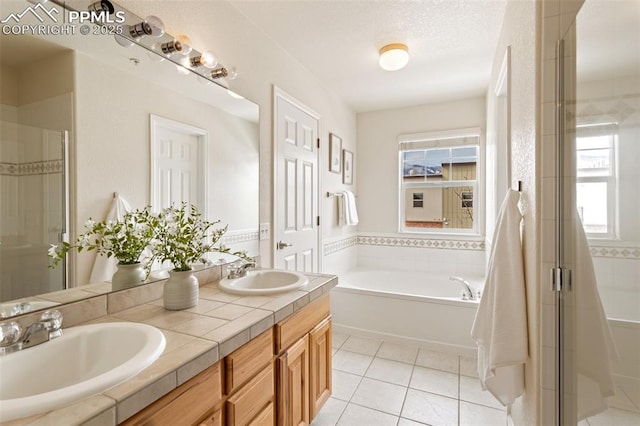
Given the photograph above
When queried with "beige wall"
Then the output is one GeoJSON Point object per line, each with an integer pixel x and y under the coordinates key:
{"type": "Point", "coordinates": [378, 133]}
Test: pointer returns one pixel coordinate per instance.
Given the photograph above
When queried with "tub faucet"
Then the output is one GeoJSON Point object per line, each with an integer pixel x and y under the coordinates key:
{"type": "Point", "coordinates": [12, 339]}
{"type": "Point", "coordinates": [467, 292]}
{"type": "Point", "coordinates": [239, 270]}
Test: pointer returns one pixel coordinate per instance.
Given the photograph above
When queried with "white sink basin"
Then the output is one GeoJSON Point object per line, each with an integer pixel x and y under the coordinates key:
{"type": "Point", "coordinates": [86, 360]}
{"type": "Point", "coordinates": [264, 282]}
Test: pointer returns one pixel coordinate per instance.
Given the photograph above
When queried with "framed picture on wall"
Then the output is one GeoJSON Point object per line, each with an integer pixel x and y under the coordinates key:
{"type": "Point", "coordinates": [335, 152]}
{"type": "Point", "coordinates": [347, 167]}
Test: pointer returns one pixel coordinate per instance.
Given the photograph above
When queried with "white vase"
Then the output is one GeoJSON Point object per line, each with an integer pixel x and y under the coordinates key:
{"type": "Point", "coordinates": [128, 276]}
{"type": "Point", "coordinates": [181, 290]}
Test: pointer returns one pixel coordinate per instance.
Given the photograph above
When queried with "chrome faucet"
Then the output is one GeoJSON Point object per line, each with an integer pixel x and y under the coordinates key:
{"type": "Point", "coordinates": [12, 339]}
{"type": "Point", "coordinates": [239, 269]}
{"type": "Point", "coordinates": [467, 292]}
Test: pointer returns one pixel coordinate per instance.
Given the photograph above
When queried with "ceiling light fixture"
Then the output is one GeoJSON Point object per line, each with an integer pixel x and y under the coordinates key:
{"type": "Point", "coordinates": [394, 56]}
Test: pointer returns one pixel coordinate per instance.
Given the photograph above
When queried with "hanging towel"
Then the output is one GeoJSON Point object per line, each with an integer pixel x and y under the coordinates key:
{"type": "Point", "coordinates": [347, 213]}
{"type": "Point", "coordinates": [595, 346]}
{"type": "Point", "coordinates": [500, 325]}
{"type": "Point", "coordinates": [104, 267]}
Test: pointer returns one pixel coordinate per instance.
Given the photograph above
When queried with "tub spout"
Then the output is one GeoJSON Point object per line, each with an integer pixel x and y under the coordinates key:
{"type": "Point", "coordinates": [467, 292]}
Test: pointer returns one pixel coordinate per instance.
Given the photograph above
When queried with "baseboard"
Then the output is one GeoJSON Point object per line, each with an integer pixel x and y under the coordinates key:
{"type": "Point", "coordinates": [407, 341]}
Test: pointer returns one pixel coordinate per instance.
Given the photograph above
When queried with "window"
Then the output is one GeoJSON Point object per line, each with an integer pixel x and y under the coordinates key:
{"type": "Point", "coordinates": [418, 199]}
{"type": "Point", "coordinates": [595, 178]}
{"type": "Point", "coordinates": [439, 181]}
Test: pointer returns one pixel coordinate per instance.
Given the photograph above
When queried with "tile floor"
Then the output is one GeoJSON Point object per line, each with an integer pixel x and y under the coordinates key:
{"type": "Point", "coordinates": [380, 383]}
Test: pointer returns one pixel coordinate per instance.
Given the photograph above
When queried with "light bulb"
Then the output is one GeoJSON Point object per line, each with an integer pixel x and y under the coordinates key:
{"type": "Point", "coordinates": [151, 26]}
{"type": "Point", "coordinates": [186, 43]}
{"type": "Point", "coordinates": [232, 74]}
{"type": "Point", "coordinates": [206, 59]}
{"type": "Point", "coordinates": [157, 26]}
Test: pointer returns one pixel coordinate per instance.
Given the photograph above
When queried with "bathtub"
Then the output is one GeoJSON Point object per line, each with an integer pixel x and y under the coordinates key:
{"type": "Point", "coordinates": [417, 308]}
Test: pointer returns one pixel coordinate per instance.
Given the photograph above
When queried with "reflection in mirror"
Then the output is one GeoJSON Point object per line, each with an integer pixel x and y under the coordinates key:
{"type": "Point", "coordinates": [607, 148]}
{"type": "Point", "coordinates": [104, 97]}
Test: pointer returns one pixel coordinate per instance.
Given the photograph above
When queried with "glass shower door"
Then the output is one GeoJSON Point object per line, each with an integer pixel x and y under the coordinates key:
{"type": "Point", "coordinates": [34, 209]}
{"type": "Point", "coordinates": [601, 186]}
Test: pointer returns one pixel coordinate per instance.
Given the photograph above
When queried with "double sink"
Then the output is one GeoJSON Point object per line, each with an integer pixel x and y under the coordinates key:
{"type": "Point", "coordinates": [90, 359]}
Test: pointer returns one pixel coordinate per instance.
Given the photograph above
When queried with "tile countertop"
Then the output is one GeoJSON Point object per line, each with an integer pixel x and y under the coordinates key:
{"type": "Point", "coordinates": [196, 339]}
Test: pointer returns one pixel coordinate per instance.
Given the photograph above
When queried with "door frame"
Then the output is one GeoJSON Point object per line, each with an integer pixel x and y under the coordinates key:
{"type": "Point", "coordinates": [278, 93]}
{"type": "Point", "coordinates": [156, 122]}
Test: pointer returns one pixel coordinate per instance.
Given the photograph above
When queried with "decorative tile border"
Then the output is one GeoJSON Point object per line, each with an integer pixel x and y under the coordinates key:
{"type": "Point", "coordinates": [31, 168]}
{"type": "Point", "coordinates": [616, 252]}
{"type": "Point", "coordinates": [239, 237]}
{"type": "Point", "coordinates": [336, 246]}
{"type": "Point", "coordinates": [421, 243]}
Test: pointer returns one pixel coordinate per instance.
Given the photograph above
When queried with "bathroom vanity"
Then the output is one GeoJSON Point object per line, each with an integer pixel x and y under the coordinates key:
{"type": "Point", "coordinates": [282, 376]}
{"type": "Point", "coordinates": [232, 360]}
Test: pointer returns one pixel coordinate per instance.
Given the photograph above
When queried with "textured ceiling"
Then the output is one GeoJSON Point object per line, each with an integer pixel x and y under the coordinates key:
{"type": "Point", "coordinates": [451, 43]}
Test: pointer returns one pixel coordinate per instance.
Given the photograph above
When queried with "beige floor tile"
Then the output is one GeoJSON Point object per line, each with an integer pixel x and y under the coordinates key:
{"type": "Point", "coordinates": [435, 381]}
{"type": "Point", "coordinates": [355, 415]}
{"type": "Point", "coordinates": [381, 396]}
{"type": "Point", "coordinates": [431, 409]}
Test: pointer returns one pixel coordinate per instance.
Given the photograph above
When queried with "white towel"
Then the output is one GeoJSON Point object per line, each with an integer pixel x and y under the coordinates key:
{"type": "Point", "coordinates": [104, 267]}
{"type": "Point", "coordinates": [347, 213]}
{"type": "Point", "coordinates": [500, 325]}
{"type": "Point", "coordinates": [595, 345]}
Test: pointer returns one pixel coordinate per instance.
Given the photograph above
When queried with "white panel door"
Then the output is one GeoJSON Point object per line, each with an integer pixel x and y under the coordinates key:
{"type": "Point", "coordinates": [178, 153]}
{"type": "Point", "coordinates": [296, 186]}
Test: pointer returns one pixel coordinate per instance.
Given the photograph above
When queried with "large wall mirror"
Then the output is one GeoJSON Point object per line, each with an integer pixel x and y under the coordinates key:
{"type": "Point", "coordinates": [81, 120]}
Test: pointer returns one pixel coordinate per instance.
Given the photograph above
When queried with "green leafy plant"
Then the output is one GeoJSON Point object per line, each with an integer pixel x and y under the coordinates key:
{"type": "Point", "coordinates": [182, 236]}
{"type": "Point", "coordinates": [123, 239]}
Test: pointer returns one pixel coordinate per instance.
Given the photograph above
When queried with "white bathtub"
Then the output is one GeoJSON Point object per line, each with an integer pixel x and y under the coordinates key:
{"type": "Point", "coordinates": [417, 308]}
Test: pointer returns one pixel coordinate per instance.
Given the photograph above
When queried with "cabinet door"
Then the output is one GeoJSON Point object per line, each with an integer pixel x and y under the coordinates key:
{"type": "Point", "coordinates": [319, 366]}
{"type": "Point", "coordinates": [293, 384]}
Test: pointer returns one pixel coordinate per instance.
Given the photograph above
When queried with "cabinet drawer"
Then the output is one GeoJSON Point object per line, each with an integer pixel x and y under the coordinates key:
{"type": "Point", "coordinates": [293, 328]}
{"type": "Point", "coordinates": [251, 399]}
{"type": "Point", "coordinates": [186, 404]}
{"type": "Point", "coordinates": [246, 361]}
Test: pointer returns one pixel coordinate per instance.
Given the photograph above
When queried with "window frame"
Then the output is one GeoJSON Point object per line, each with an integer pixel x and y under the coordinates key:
{"type": "Point", "coordinates": [609, 129]}
{"type": "Point", "coordinates": [445, 139]}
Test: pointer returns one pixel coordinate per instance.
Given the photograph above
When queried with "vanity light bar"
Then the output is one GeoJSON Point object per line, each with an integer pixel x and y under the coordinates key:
{"type": "Point", "coordinates": [139, 33]}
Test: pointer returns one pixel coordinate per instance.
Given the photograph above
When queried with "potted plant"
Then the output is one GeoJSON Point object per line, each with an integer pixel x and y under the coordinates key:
{"type": "Point", "coordinates": [182, 237]}
{"type": "Point", "coordinates": [124, 240]}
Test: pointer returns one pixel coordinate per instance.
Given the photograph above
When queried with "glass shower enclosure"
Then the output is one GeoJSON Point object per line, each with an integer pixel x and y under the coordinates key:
{"type": "Point", "coordinates": [33, 207]}
{"type": "Point", "coordinates": [599, 191]}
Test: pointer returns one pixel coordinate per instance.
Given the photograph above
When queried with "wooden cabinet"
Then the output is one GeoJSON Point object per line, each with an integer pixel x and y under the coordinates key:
{"type": "Point", "coordinates": [188, 404]}
{"type": "Point", "coordinates": [293, 384]}
{"type": "Point", "coordinates": [320, 355]}
{"type": "Point", "coordinates": [304, 365]}
{"type": "Point", "coordinates": [248, 404]}
{"type": "Point", "coordinates": [281, 377]}
{"type": "Point", "coordinates": [214, 419]}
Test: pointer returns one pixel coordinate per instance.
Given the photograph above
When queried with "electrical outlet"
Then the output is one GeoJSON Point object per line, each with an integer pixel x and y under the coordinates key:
{"type": "Point", "coordinates": [265, 231]}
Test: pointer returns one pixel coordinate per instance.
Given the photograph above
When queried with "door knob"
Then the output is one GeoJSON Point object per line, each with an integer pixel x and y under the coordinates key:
{"type": "Point", "coordinates": [281, 244]}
